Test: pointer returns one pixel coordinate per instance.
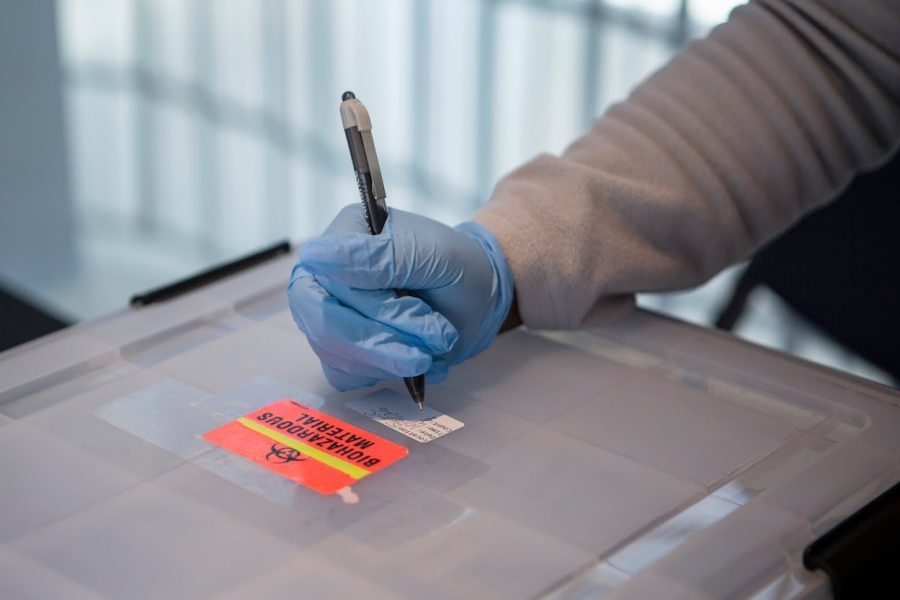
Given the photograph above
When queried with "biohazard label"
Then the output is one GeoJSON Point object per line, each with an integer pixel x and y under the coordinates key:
{"type": "Point", "coordinates": [401, 414]}
{"type": "Point", "coordinates": [306, 446]}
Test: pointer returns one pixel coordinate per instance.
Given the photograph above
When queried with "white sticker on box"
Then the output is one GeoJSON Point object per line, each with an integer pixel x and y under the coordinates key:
{"type": "Point", "coordinates": [401, 414]}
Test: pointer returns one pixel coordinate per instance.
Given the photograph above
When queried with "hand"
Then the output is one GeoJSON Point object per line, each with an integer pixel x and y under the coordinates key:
{"type": "Point", "coordinates": [342, 297]}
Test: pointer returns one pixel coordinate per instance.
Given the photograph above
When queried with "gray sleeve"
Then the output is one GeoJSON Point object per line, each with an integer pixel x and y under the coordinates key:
{"type": "Point", "coordinates": [733, 140]}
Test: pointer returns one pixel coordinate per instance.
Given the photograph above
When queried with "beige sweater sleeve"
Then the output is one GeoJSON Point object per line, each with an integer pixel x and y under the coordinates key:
{"type": "Point", "coordinates": [737, 137]}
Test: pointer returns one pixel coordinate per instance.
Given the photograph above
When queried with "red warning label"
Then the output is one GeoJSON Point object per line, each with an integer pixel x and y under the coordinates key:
{"type": "Point", "coordinates": [306, 446]}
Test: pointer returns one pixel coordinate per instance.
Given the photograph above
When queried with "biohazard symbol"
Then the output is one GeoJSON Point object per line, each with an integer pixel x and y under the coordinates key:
{"type": "Point", "coordinates": [281, 455]}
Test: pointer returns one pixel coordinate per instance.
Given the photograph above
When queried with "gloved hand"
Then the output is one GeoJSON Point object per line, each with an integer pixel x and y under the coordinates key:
{"type": "Point", "coordinates": [342, 297]}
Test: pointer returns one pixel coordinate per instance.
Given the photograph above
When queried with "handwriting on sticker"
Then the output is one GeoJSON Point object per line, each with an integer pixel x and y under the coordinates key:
{"type": "Point", "coordinates": [383, 414]}
{"type": "Point", "coordinates": [398, 413]}
{"type": "Point", "coordinates": [427, 428]}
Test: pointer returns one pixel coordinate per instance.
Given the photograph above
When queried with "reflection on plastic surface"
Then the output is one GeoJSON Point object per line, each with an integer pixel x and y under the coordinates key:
{"type": "Point", "coordinates": [594, 582]}
{"type": "Point", "coordinates": [694, 436]}
{"type": "Point", "coordinates": [435, 465]}
{"type": "Point", "coordinates": [232, 360]}
{"type": "Point", "coordinates": [264, 305]}
{"type": "Point", "coordinates": [652, 585]}
{"type": "Point", "coordinates": [400, 414]}
{"type": "Point", "coordinates": [837, 431]}
{"type": "Point", "coordinates": [150, 543]}
{"type": "Point", "coordinates": [163, 414]}
{"type": "Point", "coordinates": [796, 414]}
{"type": "Point", "coordinates": [249, 475]}
{"type": "Point", "coordinates": [161, 346]}
{"type": "Point", "coordinates": [475, 554]}
{"type": "Point", "coordinates": [837, 483]}
{"type": "Point", "coordinates": [64, 389]}
{"type": "Point", "coordinates": [438, 468]}
{"type": "Point", "coordinates": [414, 514]}
{"type": "Point", "coordinates": [713, 563]}
{"type": "Point", "coordinates": [693, 344]}
{"type": "Point", "coordinates": [308, 447]}
{"type": "Point", "coordinates": [866, 493]}
{"type": "Point", "coordinates": [461, 515]}
{"type": "Point", "coordinates": [505, 376]}
{"type": "Point", "coordinates": [270, 307]}
{"type": "Point", "coordinates": [47, 362]}
{"type": "Point", "coordinates": [797, 583]}
{"type": "Point", "coordinates": [575, 491]}
{"type": "Point", "coordinates": [627, 355]}
{"type": "Point", "coordinates": [43, 478]}
{"type": "Point", "coordinates": [269, 277]}
{"type": "Point", "coordinates": [801, 409]}
{"type": "Point", "coordinates": [669, 535]}
{"type": "Point", "coordinates": [157, 321]}
{"type": "Point", "coordinates": [74, 421]}
{"type": "Point", "coordinates": [250, 494]}
{"type": "Point", "coordinates": [253, 395]}
{"type": "Point", "coordinates": [23, 577]}
{"type": "Point", "coordinates": [780, 466]}
{"type": "Point", "coordinates": [487, 428]}
{"type": "Point", "coordinates": [317, 578]}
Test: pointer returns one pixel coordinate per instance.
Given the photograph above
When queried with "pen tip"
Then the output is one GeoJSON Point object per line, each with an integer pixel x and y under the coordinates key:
{"type": "Point", "coordinates": [348, 95]}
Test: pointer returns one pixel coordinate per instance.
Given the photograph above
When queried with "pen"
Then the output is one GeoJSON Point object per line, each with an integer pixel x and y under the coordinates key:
{"type": "Point", "coordinates": [358, 128]}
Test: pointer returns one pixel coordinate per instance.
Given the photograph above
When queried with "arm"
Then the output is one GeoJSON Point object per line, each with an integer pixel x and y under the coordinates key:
{"type": "Point", "coordinates": [737, 137]}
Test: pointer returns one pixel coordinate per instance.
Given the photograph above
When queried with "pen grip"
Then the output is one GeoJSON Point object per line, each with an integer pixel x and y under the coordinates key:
{"type": "Point", "coordinates": [374, 210]}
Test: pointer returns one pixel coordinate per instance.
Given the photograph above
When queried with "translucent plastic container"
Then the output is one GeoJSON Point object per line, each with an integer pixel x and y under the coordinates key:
{"type": "Point", "coordinates": [649, 458]}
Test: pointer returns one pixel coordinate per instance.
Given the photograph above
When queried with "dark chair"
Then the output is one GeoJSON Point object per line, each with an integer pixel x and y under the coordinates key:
{"type": "Point", "coordinates": [22, 320]}
{"type": "Point", "coordinates": [840, 269]}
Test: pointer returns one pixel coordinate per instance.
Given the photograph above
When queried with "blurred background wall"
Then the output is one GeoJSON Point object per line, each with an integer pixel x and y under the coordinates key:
{"type": "Point", "coordinates": [179, 133]}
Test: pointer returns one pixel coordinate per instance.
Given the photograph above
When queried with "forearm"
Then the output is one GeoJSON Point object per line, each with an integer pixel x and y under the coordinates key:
{"type": "Point", "coordinates": [719, 151]}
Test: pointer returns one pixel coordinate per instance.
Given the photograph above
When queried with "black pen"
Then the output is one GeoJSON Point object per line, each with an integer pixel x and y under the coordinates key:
{"type": "Point", "coordinates": [358, 128]}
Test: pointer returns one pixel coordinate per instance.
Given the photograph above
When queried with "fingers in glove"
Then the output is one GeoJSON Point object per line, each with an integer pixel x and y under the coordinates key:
{"type": "Point", "coordinates": [343, 332]}
{"type": "Point", "coordinates": [354, 368]}
{"type": "Point", "coordinates": [389, 260]}
{"type": "Point", "coordinates": [408, 314]}
{"type": "Point", "coordinates": [438, 371]}
{"type": "Point", "coordinates": [343, 381]}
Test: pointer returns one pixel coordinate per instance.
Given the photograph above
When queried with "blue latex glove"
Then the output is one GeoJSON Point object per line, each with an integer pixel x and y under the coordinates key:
{"type": "Point", "coordinates": [342, 297]}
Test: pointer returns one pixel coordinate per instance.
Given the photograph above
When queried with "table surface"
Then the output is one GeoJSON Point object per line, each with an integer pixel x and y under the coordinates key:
{"type": "Point", "coordinates": [649, 457]}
